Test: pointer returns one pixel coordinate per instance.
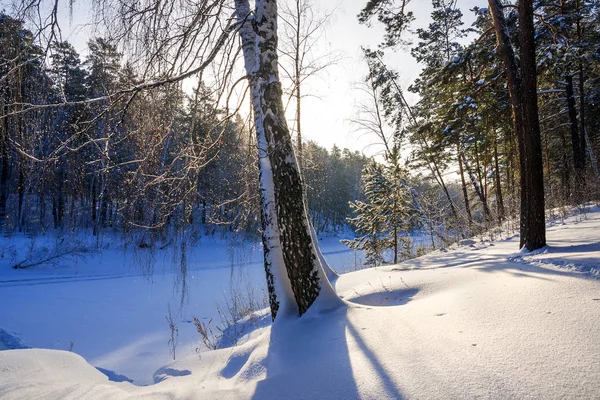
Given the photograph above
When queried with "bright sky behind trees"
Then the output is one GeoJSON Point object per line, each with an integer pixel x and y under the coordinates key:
{"type": "Point", "coordinates": [332, 97]}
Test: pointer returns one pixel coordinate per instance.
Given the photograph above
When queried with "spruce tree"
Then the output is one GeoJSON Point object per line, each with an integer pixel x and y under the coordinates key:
{"type": "Point", "coordinates": [385, 215]}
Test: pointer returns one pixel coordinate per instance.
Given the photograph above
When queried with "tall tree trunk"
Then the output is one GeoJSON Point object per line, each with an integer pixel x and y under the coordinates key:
{"type": "Point", "coordinates": [578, 154]}
{"type": "Point", "coordinates": [20, 192]}
{"type": "Point", "coordinates": [499, 197]}
{"type": "Point", "coordinates": [482, 183]}
{"type": "Point", "coordinates": [439, 178]}
{"type": "Point", "coordinates": [536, 231]}
{"type": "Point", "coordinates": [582, 134]}
{"type": "Point", "coordinates": [94, 203]}
{"type": "Point", "coordinates": [478, 190]}
{"type": "Point", "coordinates": [565, 176]}
{"type": "Point", "coordinates": [464, 186]}
{"type": "Point", "coordinates": [522, 88]}
{"type": "Point", "coordinates": [4, 164]}
{"type": "Point", "coordinates": [395, 245]}
{"type": "Point", "coordinates": [513, 80]}
{"type": "Point", "coordinates": [582, 131]}
{"type": "Point", "coordinates": [295, 277]}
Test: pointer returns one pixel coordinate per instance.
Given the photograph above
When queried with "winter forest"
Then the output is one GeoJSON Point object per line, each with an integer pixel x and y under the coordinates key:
{"type": "Point", "coordinates": [293, 199]}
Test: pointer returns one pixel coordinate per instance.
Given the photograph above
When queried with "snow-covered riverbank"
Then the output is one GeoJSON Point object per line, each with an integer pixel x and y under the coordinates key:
{"type": "Point", "coordinates": [477, 321]}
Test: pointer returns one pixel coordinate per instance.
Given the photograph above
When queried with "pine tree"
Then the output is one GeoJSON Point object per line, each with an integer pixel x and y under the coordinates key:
{"type": "Point", "coordinates": [385, 215]}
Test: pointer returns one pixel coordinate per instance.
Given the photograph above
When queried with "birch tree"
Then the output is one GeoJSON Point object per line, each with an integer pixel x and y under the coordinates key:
{"type": "Point", "coordinates": [301, 36]}
{"type": "Point", "coordinates": [295, 276]}
{"type": "Point", "coordinates": [170, 41]}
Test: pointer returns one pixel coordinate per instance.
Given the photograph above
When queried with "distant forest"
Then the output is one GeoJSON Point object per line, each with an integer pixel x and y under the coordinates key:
{"type": "Point", "coordinates": [161, 159]}
{"type": "Point", "coordinates": [94, 143]}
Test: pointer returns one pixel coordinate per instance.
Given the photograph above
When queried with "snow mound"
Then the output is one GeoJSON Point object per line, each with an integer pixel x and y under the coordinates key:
{"type": "Point", "coordinates": [52, 374]}
{"type": "Point", "coordinates": [475, 322]}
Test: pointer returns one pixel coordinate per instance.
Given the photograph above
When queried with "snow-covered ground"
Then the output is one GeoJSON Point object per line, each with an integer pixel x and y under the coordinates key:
{"type": "Point", "coordinates": [481, 320]}
{"type": "Point", "coordinates": [108, 308]}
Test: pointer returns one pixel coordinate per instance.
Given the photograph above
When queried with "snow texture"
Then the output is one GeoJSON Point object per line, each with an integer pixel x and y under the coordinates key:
{"type": "Point", "coordinates": [476, 321]}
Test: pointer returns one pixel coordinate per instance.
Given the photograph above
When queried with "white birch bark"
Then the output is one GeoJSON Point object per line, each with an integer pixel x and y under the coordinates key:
{"type": "Point", "coordinates": [281, 296]}
{"type": "Point", "coordinates": [295, 275]}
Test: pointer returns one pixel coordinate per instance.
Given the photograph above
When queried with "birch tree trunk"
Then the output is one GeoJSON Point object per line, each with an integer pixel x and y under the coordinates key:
{"type": "Point", "coordinates": [295, 276]}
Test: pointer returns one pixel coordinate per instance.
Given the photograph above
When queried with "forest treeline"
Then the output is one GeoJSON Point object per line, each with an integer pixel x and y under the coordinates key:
{"type": "Point", "coordinates": [509, 104]}
{"type": "Point", "coordinates": [83, 147]}
{"type": "Point", "coordinates": [161, 160]}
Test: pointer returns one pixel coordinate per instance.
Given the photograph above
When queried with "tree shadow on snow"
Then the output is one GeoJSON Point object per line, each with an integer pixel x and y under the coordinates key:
{"type": "Point", "coordinates": [521, 268]}
{"type": "Point", "coordinates": [309, 358]}
{"type": "Point", "coordinates": [385, 298]}
{"type": "Point", "coordinates": [575, 248]}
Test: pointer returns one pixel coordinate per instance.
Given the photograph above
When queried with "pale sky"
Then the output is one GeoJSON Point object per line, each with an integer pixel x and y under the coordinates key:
{"type": "Point", "coordinates": [326, 119]}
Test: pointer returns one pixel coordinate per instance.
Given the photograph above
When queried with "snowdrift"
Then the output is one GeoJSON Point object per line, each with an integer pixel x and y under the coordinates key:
{"type": "Point", "coordinates": [478, 321]}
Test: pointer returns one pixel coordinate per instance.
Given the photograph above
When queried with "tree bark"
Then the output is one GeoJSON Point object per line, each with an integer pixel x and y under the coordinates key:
{"type": "Point", "coordinates": [395, 245]}
{"type": "Point", "coordinates": [477, 187]}
{"type": "Point", "coordinates": [536, 229]}
{"type": "Point", "coordinates": [295, 277]}
{"type": "Point", "coordinates": [514, 88]}
{"type": "Point", "coordinates": [499, 197]}
{"type": "Point", "coordinates": [523, 94]}
{"type": "Point", "coordinates": [4, 164]}
{"type": "Point", "coordinates": [577, 146]}
{"type": "Point", "coordinates": [464, 187]}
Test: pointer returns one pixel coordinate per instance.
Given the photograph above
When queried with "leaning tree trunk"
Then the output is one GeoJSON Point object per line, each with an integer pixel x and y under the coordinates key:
{"type": "Point", "coordinates": [295, 277]}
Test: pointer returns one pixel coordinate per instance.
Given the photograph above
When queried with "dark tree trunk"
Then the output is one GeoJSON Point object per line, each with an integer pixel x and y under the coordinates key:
{"type": "Point", "coordinates": [478, 170]}
{"type": "Point", "coordinates": [510, 169]}
{"type": "Point", "coordinates": [440, 179]}
{"type": "Point", "coordinates": [536, 229]}
{"type": "Point", "coordinates": [565, 176]}
{"type": "Point", "coordinates": [60, 200]}
{"type": "Point", "coordinates": [21, 193]}
{"type": "Point", "coordinates": [94, 204]}
{"type": "Point", "coordinates": [41, 209]}
{"type": "Point", "coordinates": [478, 189]}
{"type": "Point", "coordinates": [522, 85]}
{"type": "Point", "coordinates": [577, 146]}
{"type": "Point", "coordinates": [582, 132]}
{"type": "Point", "coordinates": [395, 245]}
{"type": "Point", "coordinates": [497, 180]}
{"type": "Point", "coordinates": [464, 187]}
{"type": "Point", "coordinates": [514, 88]}
{"type": "Point", "coordinates": [4, 164]}
{"type": "Point", "coordinates": [104, 208]}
